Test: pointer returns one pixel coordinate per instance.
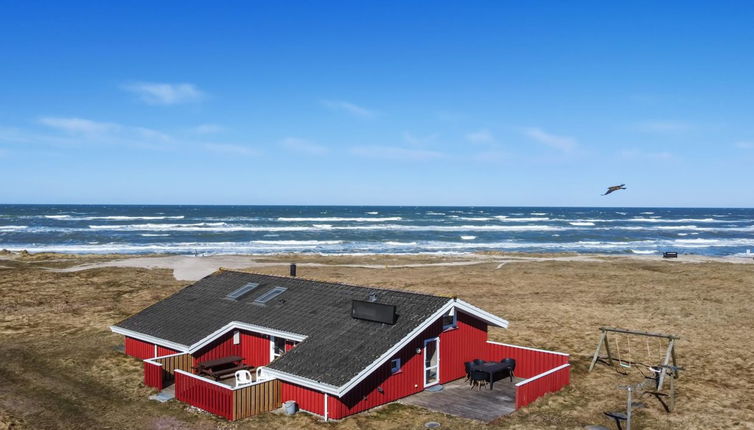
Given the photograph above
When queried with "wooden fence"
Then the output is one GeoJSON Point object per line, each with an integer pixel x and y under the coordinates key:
{"type": "Point", "coordinates": [225, 401]}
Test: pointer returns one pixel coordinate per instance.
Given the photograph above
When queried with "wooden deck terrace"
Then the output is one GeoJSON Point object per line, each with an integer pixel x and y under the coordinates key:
{"type": "Point", "coordinates": [459, 399]}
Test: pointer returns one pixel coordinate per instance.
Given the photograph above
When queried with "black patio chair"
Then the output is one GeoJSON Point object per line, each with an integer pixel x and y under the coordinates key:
{"type": "Point", "coordinates": [510, 362]}
{"type": "Point", "coordinates": [468, 366]}
{"type": "Point", "coordinates": [478, 379]}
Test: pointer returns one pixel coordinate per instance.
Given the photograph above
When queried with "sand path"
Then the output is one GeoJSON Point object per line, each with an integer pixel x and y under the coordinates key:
{"type": "Point", "coordinates": [192, 268]}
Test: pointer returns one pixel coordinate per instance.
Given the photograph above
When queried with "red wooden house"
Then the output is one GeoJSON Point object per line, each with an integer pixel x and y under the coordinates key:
{"type": "Point", "coordinates": [335, 349]}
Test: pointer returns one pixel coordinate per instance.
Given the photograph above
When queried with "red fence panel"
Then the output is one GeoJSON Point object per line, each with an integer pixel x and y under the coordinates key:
{"type": "Point", "coordinates": [548, 382]}
{"type": "Point", "coordinates": [205, 394]}
{"type": "Point", "coordinates": [153, 375]}
{"type": "Point", "coordinates": [529, 361]}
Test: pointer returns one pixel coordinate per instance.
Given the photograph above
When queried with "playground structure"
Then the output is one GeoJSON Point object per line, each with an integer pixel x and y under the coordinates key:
{"type": "Point", "coordinates": [660, 366]}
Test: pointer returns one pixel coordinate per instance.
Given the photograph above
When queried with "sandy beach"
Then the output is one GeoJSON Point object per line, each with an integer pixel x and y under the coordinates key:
{"type": "Point", "coordinates": [61, 368]}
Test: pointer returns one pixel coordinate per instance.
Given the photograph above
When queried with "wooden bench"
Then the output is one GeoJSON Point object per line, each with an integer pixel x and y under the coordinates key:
{"type": "Point", "coordinates": [220, 367]}
{"type": "Point", "coordinates": [219, 374]}
{"type": "Point", "coordinates": [669, 255]}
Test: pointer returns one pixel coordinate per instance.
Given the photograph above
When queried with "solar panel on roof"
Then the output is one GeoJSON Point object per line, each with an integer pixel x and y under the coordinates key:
{"type": "Point", "coordinates": [266, 297]}
{"type": "Point", "coordinates": [237, 294]}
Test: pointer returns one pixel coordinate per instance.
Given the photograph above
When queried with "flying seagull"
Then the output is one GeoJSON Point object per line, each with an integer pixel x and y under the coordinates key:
{"type": "Point", "coordinates": [615, 188]}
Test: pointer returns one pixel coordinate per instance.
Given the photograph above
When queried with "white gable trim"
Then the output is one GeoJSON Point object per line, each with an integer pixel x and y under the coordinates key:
{"type": "Point", "coordinates": [481, 314]}
{"type": "Point", "coordinates": [236, 325]}
{"type": "Point", "coordinates": [149, 339]}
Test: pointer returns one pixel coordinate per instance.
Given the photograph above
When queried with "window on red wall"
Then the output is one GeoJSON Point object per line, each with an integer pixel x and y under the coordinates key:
{"type": "Point", "coordinates": [450, 320]}
{"type": "Point", "coordinates": [277, 345]}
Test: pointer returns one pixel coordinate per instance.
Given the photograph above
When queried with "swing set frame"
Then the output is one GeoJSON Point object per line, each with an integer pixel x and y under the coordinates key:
{"type": "Point", "coordinates": [609, 359]}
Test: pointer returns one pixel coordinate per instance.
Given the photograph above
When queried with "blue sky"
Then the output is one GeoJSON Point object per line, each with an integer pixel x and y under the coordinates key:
{"type": "Point", "coordinates": [409, 103]}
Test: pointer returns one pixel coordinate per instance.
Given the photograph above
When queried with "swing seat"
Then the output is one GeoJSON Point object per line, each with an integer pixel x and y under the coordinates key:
{"type": "Point", "coordinates": [618, 417]}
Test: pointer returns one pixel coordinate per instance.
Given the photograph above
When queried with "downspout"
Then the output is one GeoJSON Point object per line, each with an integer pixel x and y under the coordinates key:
{"type": "Point", "coordinates": [325, 407]}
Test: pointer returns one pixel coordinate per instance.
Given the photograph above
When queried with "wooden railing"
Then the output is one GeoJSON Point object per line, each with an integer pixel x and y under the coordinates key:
{"type": "Point", "coordinates": [229, 402]}
{"type": "Point", "coordinates": [158, 372]}
{"type": "Point", "coordinates": [547, 382]}
{"type": "Point", "coordinates": [176, 361]}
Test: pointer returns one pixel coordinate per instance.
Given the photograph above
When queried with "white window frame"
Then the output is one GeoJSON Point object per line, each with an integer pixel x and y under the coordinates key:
{"type": "Point", "coordinates": [236, 337]}
{"type": "Point", "coordinates": [273, 356]}
{"type": "Point", "coordinates": [395, 366]}
{"type": "Point", "coordinates": [454, 324]}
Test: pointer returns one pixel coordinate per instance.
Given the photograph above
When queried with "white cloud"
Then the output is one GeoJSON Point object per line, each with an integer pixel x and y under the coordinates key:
{"type": "Point", "coordinates": [155, 93]}
{"type": "Point", "coordinates": [76, 131]}
{"type": "Point", "coordinates": [395, 153]}
{"type": "Point", "coordinates": [79, 125]}
{"type": "Point", "coordinates": [418, 140]}
{"type": "Point", "coordinates": [481, 136]}
{"type": "Point", "coordinates": [745, 145]}
{"type": "Point", "coordinates": [232, 149]}
{"type": "Point", "coordinates": [207, 129]}
{"type": "Point", "coordinates": [350, 108]}
{"type": "Point", "coordinates": [562, 143]}
{"type": "Point", "coordinates": [304, 146]}
{"type": "Point", "coordinates": [663, 127]}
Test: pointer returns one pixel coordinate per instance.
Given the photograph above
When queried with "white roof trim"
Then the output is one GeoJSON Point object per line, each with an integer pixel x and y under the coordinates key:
{"type": "Point", "coordinates": [481, 314]}
{"type": "Point", "coordinates": [235, 325]}
{"type": "Point", "coordinates": [148, 338]}
{"type": "Point", "coordinates": [304, 382]}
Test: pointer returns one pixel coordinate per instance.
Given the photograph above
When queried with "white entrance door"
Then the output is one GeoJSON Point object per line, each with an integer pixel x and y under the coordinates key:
{"type": "Point", "coordinates": [431, 361]}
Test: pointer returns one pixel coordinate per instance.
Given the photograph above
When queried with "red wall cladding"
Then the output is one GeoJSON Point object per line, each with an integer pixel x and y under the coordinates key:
{"type": "Point", "coordinates": [162, 351]}
{"type": "Point", "coordinates": [138, 349]}
{"type": "Point", "coordinates": [255, 349]}
{"type": "Point", "coordinates": [222, 347]}
{"type": "Point", "coordinates": [529, 362]}
{"type": "Point", "coordinates": [308, 400]}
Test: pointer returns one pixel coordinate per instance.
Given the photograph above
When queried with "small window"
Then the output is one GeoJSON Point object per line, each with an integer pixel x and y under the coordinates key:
{"type": "Point", "coordinates": [236, 337]}
{"type": "Point", "coordinates": [395, 365]}
{"type": "Point", "coordinates": [450, 320]}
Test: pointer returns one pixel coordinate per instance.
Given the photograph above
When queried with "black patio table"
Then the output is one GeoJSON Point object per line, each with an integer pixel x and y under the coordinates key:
{"type": "Point", "coordinates": [490, 368]}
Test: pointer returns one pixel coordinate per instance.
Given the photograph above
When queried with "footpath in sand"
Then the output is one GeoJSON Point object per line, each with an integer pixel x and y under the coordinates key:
{"type": "Point", "coordinates": [192, 268]}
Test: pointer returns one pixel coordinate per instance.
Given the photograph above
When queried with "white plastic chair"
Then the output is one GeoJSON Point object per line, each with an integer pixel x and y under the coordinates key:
{"type": "Point", "coordinates": [243, 377]}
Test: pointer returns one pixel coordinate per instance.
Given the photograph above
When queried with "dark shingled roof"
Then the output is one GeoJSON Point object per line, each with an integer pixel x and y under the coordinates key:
{"type": "Point", "coordinates": [338, 346]}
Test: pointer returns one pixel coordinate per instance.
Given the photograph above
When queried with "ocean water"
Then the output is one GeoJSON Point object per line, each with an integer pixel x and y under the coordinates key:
{"type": "Point", "coordinates": [372, 230]}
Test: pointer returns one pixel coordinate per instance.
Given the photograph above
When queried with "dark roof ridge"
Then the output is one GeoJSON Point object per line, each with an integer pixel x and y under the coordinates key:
{"type": "Point", "coordinates": [333, 283]}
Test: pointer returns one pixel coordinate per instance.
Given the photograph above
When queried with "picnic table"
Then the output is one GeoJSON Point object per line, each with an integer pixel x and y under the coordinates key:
{"type": "Point", "coordinates": [494, 370]}
{"type": "Point", "coordinates": [220, 367]}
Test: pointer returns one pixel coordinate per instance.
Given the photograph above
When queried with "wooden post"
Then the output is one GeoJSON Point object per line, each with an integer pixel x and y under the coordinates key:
{"type": "Point", "coordinates": [597, 352]}
{"type": "Point", "coordinates": [628, 408]}
{"type": "Point", "coordinates": [665, 362]}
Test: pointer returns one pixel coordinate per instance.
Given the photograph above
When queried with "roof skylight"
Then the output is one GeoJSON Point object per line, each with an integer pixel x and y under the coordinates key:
{"type": "Point", "coordinates": [237, 294]}
{"type": "Point", "coordinates": [266, 297]}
